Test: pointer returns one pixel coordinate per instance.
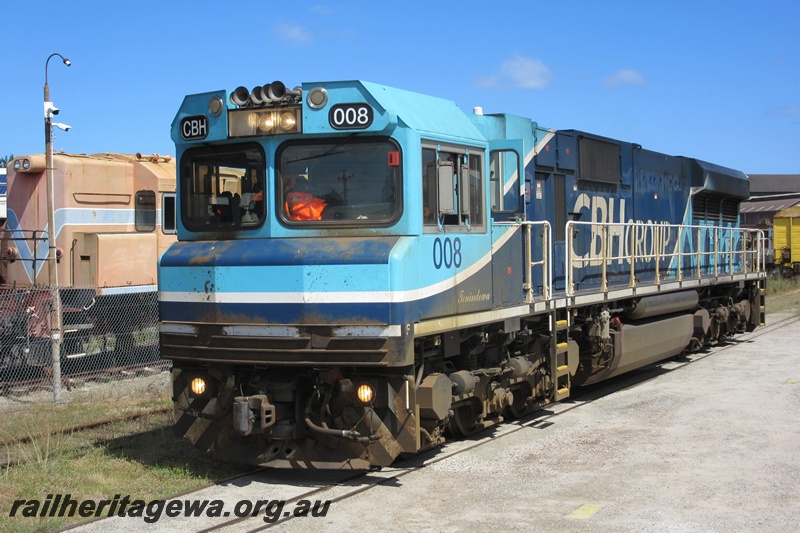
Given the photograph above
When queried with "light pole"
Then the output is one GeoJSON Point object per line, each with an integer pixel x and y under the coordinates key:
{"type": "Point", "coordinates": [55, 300]}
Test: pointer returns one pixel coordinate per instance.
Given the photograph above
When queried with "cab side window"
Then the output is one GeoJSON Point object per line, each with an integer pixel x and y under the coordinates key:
{"type": "Point", "coordinates": [452, 188]}
{"type": "Point", "coordinates": [145, 211]}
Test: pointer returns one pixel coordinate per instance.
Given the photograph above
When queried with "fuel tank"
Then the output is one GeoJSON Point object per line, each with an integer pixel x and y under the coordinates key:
{"type": "Point", "coordinates": [642, 343]}
{"type": "Point", "coordinates": [649, 342]}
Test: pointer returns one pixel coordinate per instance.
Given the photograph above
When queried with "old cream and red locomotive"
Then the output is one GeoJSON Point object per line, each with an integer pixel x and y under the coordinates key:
{"type": "Point", "coordinates": [107, 243]}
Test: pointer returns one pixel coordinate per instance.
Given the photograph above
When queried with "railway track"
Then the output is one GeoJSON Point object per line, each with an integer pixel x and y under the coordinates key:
{"type": "Point", "coordinates": [44, 381]}
{"type": "Point", "coordinates": [6, 455]}
{"type": "Point", "coordinates": [292, 487]}
{"type": "Point", "coordinates": [85, 427]}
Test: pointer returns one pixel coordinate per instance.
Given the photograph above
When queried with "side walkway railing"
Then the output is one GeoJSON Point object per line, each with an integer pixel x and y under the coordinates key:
{"type": "Point", "coordinates": [601, 255]}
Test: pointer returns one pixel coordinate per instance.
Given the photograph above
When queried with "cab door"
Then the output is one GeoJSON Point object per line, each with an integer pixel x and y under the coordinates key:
{"type": "Point", "coordinates": [455, 231]}
{"type": "Point", "coordinates": [508, 236]}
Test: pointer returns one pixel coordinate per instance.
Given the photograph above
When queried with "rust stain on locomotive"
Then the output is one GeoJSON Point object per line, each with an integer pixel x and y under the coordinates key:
{"type": "Point", "coordinates": [213, 253]}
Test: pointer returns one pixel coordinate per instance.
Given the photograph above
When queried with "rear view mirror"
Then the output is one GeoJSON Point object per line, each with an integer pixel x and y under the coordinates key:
{"type": "Point", "coordinates": [447, 196]}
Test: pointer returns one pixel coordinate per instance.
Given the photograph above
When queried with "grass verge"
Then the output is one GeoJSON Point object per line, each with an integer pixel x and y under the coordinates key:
{"type": "Point", "coordinates": [139, 457]}
{"type": "Point", "coordinates": [783, 295]}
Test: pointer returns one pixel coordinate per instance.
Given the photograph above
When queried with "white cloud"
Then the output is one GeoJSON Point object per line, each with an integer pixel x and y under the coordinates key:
{"type": "Point", "coordinates": [293, 32]}
{"type": "Point", "coordinates": [624, 77]}
{"type": "Point", "coordinates": [321, 9]}
{"type": "Point", "coordinates": [787, 111]}
{"type": "Point", "coordinates": [487, 82]}
{"type": "Point", "coordinates": [518, 72]}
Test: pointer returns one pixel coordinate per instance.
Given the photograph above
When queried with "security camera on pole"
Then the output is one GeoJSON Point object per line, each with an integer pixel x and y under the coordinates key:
{"type": "Point", "coordinates": [55, 301]}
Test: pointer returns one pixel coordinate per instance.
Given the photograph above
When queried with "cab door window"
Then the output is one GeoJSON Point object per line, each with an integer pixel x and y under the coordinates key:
{"type": "Point", "coordinates": [504, 181]}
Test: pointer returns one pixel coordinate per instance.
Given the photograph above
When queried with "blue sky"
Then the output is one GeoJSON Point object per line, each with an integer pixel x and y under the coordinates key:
{"type": "Point", "coordinates": [718, 80]}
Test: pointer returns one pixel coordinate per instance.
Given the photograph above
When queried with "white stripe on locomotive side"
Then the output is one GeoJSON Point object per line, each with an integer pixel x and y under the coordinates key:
{"type": "Point", "coordinates": [342, 297]}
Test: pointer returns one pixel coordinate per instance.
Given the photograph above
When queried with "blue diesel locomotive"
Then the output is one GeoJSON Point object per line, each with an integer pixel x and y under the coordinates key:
{"type": "Point", "coordinates": [362, 271]}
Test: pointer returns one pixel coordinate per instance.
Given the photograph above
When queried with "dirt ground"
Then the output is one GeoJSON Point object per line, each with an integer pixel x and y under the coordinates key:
{"type": "Point", "coordinates": [710, 446]}
{"type": "Point", "coordinates": [707, 444]}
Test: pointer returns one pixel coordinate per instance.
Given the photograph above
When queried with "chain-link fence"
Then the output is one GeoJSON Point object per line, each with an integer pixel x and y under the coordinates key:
{"type": "Point", "coordinates": [106, 334]}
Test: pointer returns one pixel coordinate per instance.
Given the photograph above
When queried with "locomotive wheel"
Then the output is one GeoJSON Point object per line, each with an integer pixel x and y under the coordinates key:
{"type": "Point", "coordinates": [519, 406]}
{"type": "Point", "coordinates": [463, 422]}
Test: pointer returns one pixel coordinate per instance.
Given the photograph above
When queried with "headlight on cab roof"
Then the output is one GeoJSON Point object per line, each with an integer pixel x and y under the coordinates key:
{"type": "Point", "coordinates": [265, 121]}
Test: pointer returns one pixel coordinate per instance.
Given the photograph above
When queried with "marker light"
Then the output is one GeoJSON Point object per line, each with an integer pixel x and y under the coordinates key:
{"type": "Point", "coordinates": [264, 121]}
{"type": "Point", "coordinates": [198, 386]}
{"type": "Point", "coordinates": [215, 106]}
{"type": "Point", "coordinates": [365, 394]}
{"type": "Point", "coordinates": [317, 98]}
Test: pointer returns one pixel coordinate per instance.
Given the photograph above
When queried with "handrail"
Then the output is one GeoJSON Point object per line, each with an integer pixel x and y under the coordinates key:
{"type": "Point", "coordinates": [545, 262]}
{"type": "Point", "coordinates": [731, 250]}
{"type": "Point", "coordinates": [11, 254]}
